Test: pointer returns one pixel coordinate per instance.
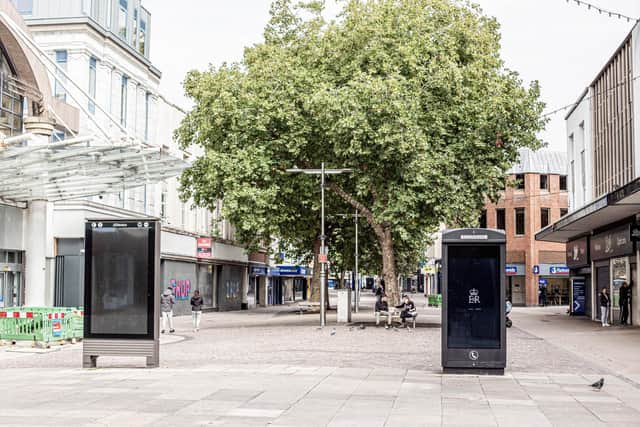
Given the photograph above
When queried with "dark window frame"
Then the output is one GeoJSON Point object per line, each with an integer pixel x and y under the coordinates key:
{"type": "Point", "coordinates": [545, 212]}
{"type": "Point", "coordinates": [544, 182]}
{"type": "Point", "coordinates": [563, 183]}
{"type": "Point", "coordinates": [520, 181]}
{"type": "Point", "coordinates": [520, 212]}
{"type": "Point", "coordinates": [501, 216]}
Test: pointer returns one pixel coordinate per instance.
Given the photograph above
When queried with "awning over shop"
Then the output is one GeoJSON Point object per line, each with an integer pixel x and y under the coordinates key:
{"type": "Point", "coordinates": [608, 209]}
{"type": "Point", "coordinates": [31, 169]}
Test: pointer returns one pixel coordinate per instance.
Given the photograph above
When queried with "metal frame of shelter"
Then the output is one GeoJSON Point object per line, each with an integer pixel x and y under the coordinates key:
{"type": "Point", "coordinates": [32, 168]}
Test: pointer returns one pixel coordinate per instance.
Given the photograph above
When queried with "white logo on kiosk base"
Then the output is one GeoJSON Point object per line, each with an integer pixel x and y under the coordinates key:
{"type": "Point", "coordinates": [473, 355]}
{"type": "Point", "coordinates": [474, 296]}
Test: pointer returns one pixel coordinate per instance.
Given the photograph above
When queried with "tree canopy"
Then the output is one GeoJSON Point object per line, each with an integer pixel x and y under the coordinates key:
{"type": "Point", "coordinates": [410, 94]}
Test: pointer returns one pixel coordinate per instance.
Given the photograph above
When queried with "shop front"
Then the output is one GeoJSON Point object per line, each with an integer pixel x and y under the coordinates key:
{"type": "Point", "coordinates": [288, 283]}
{"type": "Point", "coordinates": [258, 284]}
{"type": "Point", "coordinates": [554, 278]}
{"type": "Point", "coordinates": [606, 226]}
{"type": "Point", "coordinates": [614, 261]}
{"type": "Point", "coordinates": [516, 279]}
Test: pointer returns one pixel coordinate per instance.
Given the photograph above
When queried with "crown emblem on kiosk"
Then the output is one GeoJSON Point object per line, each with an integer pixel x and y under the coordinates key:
{"type": "Point", "coordinates": [474, 296]}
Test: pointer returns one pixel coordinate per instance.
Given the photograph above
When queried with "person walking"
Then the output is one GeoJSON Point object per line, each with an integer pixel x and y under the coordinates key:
{"type": "Point", "coordinates": [605, 304]}
{"type": "Point", "coordinates": [625, 298]}
{"type": "Point", "coordinates": [167, 302]}
{"type": "Point", "coordinates": [196, 310]}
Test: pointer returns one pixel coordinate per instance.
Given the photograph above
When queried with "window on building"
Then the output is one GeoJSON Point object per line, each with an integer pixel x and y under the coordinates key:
{"type": "Point", "coordinates": [563, 183]}
{"type": "Point", "coordinates": [500, 219]}
{"type": "Point", "coordinates": [519, 221]}
{"type": "Point", "coordinates": [124, 82]}
{"type": "Point", "coordinates": [520, 181]}
{"type": "Point", "coordinates": [544, 182]}
{"type": "Point", "coordinates": [93, 63]}
{"type": "Point", "coordinates": [563, 212]}
{"type": "Point", "coordinates": [573, 182]}
{"type": "Point", "coordinates": [12, 102]}
{"type": "Point", "coordinates": [134, 29]}
{"type": "Point", "coordinates": [25, 7]}
{"type": "Point", "coordinates": [57, 136]}
{"type": "Point", "coordinates": [163, 202]}
{"type": "Point", "coordinates": [61, 60]}
{"type": "Point", "coordinates": [147, 106]}
{"type": "Point", "coordinates": [142, 37]}
{"type": "Point", "coordinates": [123, 15]}
{"type": "Point", "coordinates": [583, 177]}
{"type": "Point", "coordinates": [544, 217]}
{"type": "Point", "coordinates": [483, 219]}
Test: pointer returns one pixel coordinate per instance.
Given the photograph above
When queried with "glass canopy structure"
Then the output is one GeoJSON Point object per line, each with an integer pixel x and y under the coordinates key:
{"type": "Point", "coordinates": [79, 167]}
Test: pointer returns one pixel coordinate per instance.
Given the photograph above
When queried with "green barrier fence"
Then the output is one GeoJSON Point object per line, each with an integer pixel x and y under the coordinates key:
{"type": "Point", "coordinates": [41, 324]}
{"type": "Point", "coordinates": [435, 300]}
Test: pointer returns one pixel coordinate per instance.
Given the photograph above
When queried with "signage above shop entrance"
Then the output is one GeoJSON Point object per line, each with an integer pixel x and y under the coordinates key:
{"type": "Point", "coordinates": [204, 247]}
{"type": "Point", "coordinates": [613, 243]}
{"type": "Point", "coordinates": [577, 254]}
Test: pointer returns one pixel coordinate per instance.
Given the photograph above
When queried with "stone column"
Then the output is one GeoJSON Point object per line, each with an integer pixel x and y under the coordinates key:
{"type": "Point", "coordinates": [36, 254]}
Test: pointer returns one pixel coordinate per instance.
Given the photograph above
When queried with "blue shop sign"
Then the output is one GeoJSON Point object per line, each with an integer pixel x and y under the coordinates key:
{"type": "Point", "coordinates": [511, 269]}
{"type": "Point", "coordinates": [258, 271]}
{"type": "Point", "coordinates": [536, 269]}
{"type": "Point", "coordinates": [288, 270]}
{"type": "Point", "coordinates": [559, 270]}
{"type": "Point", "coordinates": [542, 281]}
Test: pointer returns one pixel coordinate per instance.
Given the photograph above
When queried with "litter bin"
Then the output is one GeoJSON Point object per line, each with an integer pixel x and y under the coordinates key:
{"type": "Point", "coordinates": [473, 301]}
{"type": "Point", "coordinates": [344, 305]}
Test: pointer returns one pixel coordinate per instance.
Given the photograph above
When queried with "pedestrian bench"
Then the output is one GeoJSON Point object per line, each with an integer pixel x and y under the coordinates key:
{"type": "Point", "coordinates": [394, 316]}
{"type": "Point", "coordinates": [305, 306]}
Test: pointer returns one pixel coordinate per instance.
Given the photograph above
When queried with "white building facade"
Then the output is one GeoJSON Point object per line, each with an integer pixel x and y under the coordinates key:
{"type": "Point", "coordinates": [102, 46]}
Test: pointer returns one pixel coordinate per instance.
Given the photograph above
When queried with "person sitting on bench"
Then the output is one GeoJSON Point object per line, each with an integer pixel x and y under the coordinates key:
{"type": "Point", "coordinates": [382, 305]}
{"type": "Point", "coordinates": [408, 309]}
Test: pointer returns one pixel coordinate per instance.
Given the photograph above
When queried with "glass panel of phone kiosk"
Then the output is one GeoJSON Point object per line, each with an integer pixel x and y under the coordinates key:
{"type": "Point", "coordinates": [122, 289]}
{"type": "Point", "coordinates": [473, 301]}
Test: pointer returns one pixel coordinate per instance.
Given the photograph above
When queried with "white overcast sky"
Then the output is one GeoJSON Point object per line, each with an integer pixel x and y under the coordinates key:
{"type": "Point", "coordinates": [556, 42]}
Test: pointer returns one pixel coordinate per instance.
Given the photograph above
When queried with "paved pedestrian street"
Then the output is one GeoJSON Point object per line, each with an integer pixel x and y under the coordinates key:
{"type": "Point", "coordinates": [276, 367]}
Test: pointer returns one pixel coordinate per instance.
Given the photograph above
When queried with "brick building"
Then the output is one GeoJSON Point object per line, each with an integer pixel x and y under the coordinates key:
{"type": "Point", "coordinates": [538, 198]}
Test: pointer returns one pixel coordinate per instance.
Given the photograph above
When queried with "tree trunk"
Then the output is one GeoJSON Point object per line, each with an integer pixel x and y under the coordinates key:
{"type": "Point", "coordinates": [389, 268]}
{"type": "Point", "coordinates": [342, 279]}
{"type": "Point", "coordinates": [315, 278]}
{"type": "Point", "coordinates": [385, 240]}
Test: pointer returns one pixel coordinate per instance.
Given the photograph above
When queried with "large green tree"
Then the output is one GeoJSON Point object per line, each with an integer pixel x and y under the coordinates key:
{"type": "Point", "coordinates": [411, 94]}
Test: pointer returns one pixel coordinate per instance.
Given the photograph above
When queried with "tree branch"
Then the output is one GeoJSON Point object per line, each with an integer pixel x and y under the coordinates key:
{"type": "Point", "coordinates": [359, 206]}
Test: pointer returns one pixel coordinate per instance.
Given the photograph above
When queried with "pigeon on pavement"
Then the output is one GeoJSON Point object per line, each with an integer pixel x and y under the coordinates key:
{"type": "Point", "coordinates": [362, 326]}
{"type": "Point", "coordinates": [598, 384]}
{"type": "Point", "coordinates": [333, 331]}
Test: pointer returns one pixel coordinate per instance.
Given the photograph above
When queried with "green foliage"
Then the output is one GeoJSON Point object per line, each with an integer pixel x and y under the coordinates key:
{"type": "Point", "coordinates": [409, 93]}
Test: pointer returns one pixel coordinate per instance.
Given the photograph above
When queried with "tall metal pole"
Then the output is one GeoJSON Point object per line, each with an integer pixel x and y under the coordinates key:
{"type": "Point", "coordinates": [356, 269]}
{"type": "Point", "coordinates": [323, 277]}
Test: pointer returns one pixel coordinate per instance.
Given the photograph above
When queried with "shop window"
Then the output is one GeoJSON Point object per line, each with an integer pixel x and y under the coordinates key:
{"type": "Point", "coordinates": [563, 183]}
{"type": "Point", "coordinates": [519, 212]}
{"type": "Point", "coordinates": [520, 181]}
{"type": "Point", "coordinates": [500, 219]}
{"type": "Point", "coordinates": [544, 217]}
{"type": "Point", "coordinates": [563, 212]}
{"type": "Point", "coordinates": [483, 219]}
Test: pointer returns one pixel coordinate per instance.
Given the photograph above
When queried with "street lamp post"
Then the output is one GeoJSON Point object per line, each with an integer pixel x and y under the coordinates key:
{"type": "Point", "coordinates": [356, 268]}
{"type": "Point", "coordinates": [323, 274]}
